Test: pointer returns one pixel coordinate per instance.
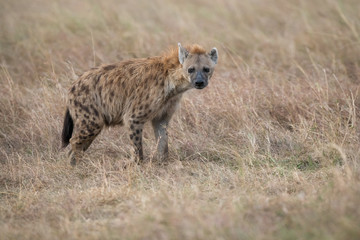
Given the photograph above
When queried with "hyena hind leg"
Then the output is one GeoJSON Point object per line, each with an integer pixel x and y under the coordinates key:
{"type": "Point", "coordinates": [82, 140]}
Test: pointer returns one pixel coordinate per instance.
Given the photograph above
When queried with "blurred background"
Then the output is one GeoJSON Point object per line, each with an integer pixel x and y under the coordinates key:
{"type": "Point", "coordinates": [279, 33]}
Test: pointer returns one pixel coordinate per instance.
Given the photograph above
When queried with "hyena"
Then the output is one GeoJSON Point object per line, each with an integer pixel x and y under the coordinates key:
{"type": "Point", "coordinates": [131, 93]}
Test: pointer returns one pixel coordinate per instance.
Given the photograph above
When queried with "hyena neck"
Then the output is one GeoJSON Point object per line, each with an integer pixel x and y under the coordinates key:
{"type": "Point", "coordinates": [176, 83]}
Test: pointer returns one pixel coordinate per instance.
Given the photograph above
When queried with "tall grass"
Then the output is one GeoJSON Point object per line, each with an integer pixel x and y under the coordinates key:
{"type": "Point", "coordinates": [269, 150]}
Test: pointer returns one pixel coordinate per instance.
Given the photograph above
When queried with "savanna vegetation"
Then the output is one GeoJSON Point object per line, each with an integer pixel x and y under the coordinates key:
{"type": "Point", "coordinates": [269, 150]}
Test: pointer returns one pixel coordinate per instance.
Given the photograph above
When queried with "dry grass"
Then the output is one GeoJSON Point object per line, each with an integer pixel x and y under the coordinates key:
{"type": "Point", "coordinates": [270, 150]}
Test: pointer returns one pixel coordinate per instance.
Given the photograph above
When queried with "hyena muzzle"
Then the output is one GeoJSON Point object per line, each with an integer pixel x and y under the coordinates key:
{"type": "Point", "coordinates": [131, 93]}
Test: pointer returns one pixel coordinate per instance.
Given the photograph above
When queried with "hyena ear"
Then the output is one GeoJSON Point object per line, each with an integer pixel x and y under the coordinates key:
{"type": "Point", "coordinates": [214, 55]}
{"type": "Point", "coordinates": [183, 53]}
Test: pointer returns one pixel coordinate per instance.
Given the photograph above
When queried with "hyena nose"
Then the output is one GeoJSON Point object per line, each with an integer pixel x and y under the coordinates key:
{"type": "Point", "coordinates": [199, 83]}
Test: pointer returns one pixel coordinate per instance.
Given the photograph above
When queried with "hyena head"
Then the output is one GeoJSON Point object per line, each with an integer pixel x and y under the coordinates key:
{"type": "Point", "coordinates": [198, 67]}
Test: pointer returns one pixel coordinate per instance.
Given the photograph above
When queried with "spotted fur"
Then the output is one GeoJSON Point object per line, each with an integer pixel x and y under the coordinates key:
{"type": "Point", "coordinates": [131, 93]}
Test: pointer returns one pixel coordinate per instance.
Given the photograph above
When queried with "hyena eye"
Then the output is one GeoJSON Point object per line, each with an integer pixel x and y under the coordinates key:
{"type": "Point", "coordinates": [206, 69]}
{"type": "Point", "coordinates": [191, 70]}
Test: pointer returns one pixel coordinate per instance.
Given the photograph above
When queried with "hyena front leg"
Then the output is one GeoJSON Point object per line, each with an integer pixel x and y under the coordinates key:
{"type": "Point", "coordinates": [160, 124]}
{"type": "Point", "coordinates": [136, 129]}
{"type": "Point", "coordinates": [161, 135]}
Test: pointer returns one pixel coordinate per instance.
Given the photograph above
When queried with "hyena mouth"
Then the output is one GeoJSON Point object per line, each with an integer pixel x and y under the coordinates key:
{"type": "Point", "coordinates": [200, 87]}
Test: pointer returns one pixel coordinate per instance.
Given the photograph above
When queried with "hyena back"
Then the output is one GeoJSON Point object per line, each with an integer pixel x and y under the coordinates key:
{"type": "Point", "coordinates": [131, 93]}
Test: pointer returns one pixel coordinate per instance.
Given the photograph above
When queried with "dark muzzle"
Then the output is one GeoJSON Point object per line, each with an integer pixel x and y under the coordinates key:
{"type": "Point", "coordinates": [200, 81]}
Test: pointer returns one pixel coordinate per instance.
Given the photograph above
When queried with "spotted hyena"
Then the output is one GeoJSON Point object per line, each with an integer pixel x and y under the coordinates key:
{"type": "Point", "coordinates": [131, 93]}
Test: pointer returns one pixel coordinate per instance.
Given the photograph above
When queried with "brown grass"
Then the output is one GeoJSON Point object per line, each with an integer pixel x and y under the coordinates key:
{"type": "Point", "coordinates": [270, 150]}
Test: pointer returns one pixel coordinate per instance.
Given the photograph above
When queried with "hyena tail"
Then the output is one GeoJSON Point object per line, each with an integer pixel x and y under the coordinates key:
{"type": "Point", "coordinates": [67, 129]}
